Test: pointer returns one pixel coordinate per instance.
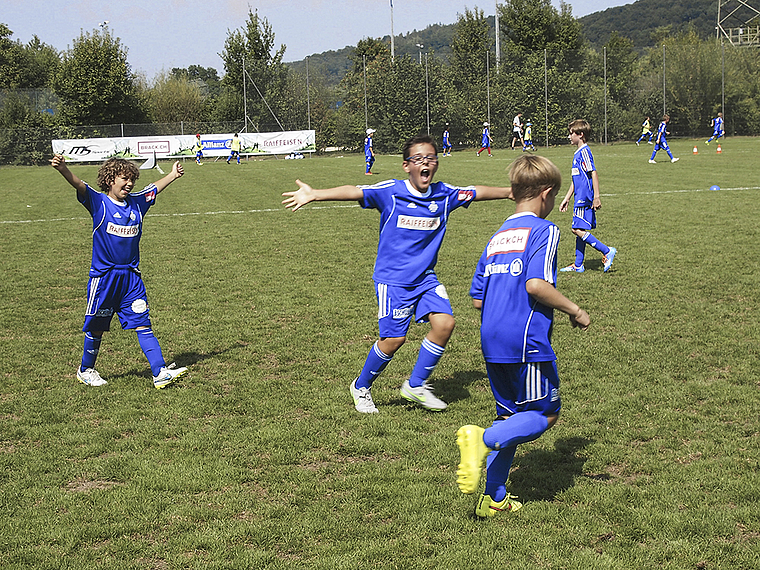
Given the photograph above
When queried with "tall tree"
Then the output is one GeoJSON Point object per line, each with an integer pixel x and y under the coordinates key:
{"type": "Point", "coordinates": [95, 82]}
{"type": "Point", "coordinates": [253, 46]}
{"type": "Point", "coordinates": [175, 98]}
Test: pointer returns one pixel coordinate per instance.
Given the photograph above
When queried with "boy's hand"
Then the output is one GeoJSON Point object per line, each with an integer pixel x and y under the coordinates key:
{"type": "Point", "coordinates": [58, 162]}
{"type": "Point", "coordinates": [563, 205]}
{"type": "Point", "coordinates": [300, 197]}
{"type": "Point", "coordinates": [580, 319]}
{"type": "Point", "coordinates": [177, 169]}
{"type": "Point", "coordinates": [597, 203]}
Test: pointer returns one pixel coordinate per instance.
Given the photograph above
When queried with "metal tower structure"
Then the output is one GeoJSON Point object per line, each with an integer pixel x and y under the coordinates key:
{"type": "Point", "coordinates": [739, 22]}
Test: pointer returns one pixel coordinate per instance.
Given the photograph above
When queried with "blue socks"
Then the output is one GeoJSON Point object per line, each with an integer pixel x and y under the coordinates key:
{"type": "Point", "coordinates": [519, 428]}
{"type": "Point", "coordinates": [152, 350]}
{"type": "Point", "coordinates": [595, 243]}
{"type": "Point", "coordinates": [430, 354]}
{"type": "Point", "coordinates": [580, 247]}
{"type": "Point", "coordinates": [376, 362]}
{"type": "Point", "coordinates": [498, 464]}
{"type": "Point", "coordinates": [91, 349]}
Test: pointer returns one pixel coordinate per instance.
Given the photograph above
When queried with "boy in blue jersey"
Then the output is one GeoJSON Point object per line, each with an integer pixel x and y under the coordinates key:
{"type": "Point", "coordinates": [528, 141]}
{"type": "Point", "coordinates": [369, 152]}
{"type": "Point", "coordinates": [661, 142]}
{"type": "Point", "coordinates": [514, 286]}
{"type": "Point", "coordinates": [717, 125]}
{"type": "Point", "coordinates": [413, 219]}
{"type": "Point", "coordinates": [446, 145]}
{"type": "Point", "coordinates": [646, 129]}
{"type": "Point", "coordinates": [115, 284]}
{"type": "Point", "coordinates": [485, 142]}
{"type": "Point", "coordinates": [585, 185]}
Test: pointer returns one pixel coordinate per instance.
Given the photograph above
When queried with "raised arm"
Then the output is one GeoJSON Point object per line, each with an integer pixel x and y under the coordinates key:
{"type": "Point", "coordinates": [59, 163]}
{"type": "Point", "coordinates": [177, 172]}
{"type": "Point", "coordinates": [493, 193]}
{"type": "Point", "coordinates": [546, 294]}
{"type": "Point", "coordinates": [306, 194]}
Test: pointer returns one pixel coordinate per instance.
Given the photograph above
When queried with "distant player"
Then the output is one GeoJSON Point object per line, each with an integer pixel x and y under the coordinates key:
{"type": "Point", "coordinates": [485, 141]}
{"type": "Point", "coordinates": [446, 147]}
{"type": "Point", "coordinates": [116, 285]}
{"type": "Point", "coordinates": [198, 149]}
{"type": "Point", "coordinates": [662, 142]}
{"type": "Point", "coordinates": [369, 152]}
{"type": "Point", "coordinates": [234, 149]}
{"type": "Point", "coordinates": [517, 132]}
{"type": "Point", "coordinates": [514, 286]}
{"type": "Point", "coordinates": [646, 129]}
{"type": "Point", "coordinates": [414, 215]}
{"type": "Point", "coordinates": [584, 184]}
{"type": "Point", "coordinates": [718, 131]}
{"type": "Point", "coordinates": [528, 141]}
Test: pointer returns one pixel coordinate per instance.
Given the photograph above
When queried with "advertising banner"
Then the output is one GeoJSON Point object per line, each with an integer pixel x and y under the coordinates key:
{"type": "Point", "coordinates": [179, 146]}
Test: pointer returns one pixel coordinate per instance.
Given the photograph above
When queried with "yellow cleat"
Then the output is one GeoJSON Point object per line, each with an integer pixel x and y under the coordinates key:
{"type": "Point", "coordinates": [472, 452]}
{"type": "Point", "coordinates": [487, 507]}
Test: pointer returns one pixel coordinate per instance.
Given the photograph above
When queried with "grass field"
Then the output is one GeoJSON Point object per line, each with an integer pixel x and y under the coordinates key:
{"type": "Point", "coordinates": [258, 460]}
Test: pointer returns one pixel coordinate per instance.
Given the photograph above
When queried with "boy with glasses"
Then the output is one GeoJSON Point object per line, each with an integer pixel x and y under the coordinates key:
{"type": "Point", "coordinates": [413, 219]}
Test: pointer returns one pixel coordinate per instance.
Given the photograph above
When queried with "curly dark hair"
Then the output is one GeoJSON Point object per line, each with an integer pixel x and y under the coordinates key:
{"type": "Point", "coordinates": [114, 167]}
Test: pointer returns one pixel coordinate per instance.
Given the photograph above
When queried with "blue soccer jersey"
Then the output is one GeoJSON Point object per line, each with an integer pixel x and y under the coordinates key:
{"type": "Point", "coordinates": [718, 125]}
{"type": "Point", "coordinates": [583, 166]}
{"type": "Point", "coordinates": [662, 131]}
{"type": "Point", "coordinates": [368, 147]}
{"type": "Point", "coordinates": [116, 228]}
{"type": "Point", "coordinates": [446, 138]}
{"type": "Point", "coordinates": [412, 226]}
{"type": "Point", "coordinates": [486, 138]}
{"type": "Point", "coordinates": [514, 326]}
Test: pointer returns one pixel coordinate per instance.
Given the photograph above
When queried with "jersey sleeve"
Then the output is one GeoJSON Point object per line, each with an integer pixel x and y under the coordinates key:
{"type": "Point", "coordinates": [478, 282]}
{"type": "Point", "coordinates": [542, 263]}
{"type": "Point", "coordinates": [145, 198]}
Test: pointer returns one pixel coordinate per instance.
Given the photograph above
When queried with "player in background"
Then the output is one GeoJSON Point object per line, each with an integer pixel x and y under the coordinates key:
{"type": "Point", "coordinates": [514, 287]}
{"type": "Point", "coordinates": [584, 184]}
{"type": "Point", "coordinates": [646, 129]}
{"type": "Point", "coordinates": [446, 146]}
{"type": "Point", "coordinates": [115, 284]}
{"type": "Point", "coordinates": [528, 141]}
{"type": "Point", "coordinates": [718, 131]}
{"type": "Point", "coordinates": [517, 131]}
{"type": "Point", "coordinates": [369, 152]}
{"type": "Point", "coordinates": [234, 149]}
{"type": "Point", "coordinates": [485, 142]}
{"type": "Point", "coordinates": [198, 149]}
{"type": "Point", "coordinates": [661, 142]}
{"type": "Point", "coordinates": [414, 215]}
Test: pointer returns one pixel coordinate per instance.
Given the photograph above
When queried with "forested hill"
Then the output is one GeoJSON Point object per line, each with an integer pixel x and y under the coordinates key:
{"type": "Point", "coordinates": [640, 21]}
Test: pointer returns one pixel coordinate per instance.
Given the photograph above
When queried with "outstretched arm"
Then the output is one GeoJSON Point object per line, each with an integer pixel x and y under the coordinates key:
{"type": "Point", "coordinates": [306, 194]}
{"type": "Point", "coordinates": [493, 193]}
{"type": "Point", "coordinates": [546, 294]}
{"type": "Point", "coordinates": [177, 172]}
{"type": "Point", "coordinates": [59, 163]}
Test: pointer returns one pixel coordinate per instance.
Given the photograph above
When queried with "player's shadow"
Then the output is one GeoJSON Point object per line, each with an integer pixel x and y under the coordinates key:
{"type": "Point", "coordinates": [542, 474]}
{"type": "Point", "coordinates": [182, 359]}
{"type": "Point", "coordinates": [455, 388]}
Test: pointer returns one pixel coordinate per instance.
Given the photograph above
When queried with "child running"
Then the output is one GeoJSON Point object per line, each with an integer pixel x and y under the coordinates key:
{"type": "Point", "coordinates": [116, 285]}
{"type": "Point", "coordinates": [414, 216]}
{"type": "Point", "coordinates": [515, 288]}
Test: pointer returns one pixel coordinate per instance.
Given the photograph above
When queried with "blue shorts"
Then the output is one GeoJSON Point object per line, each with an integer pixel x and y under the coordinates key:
{"type": "Point", "coordinates": [397, 305]}
{"type": "Point", "coordinates": [119, 291]}
{"type": "Point", "coordinates": [525, 386]}
{"type": "Point", "coordinates": [584, 219]}
{"type": "Point", "coordinates": [661, 145]}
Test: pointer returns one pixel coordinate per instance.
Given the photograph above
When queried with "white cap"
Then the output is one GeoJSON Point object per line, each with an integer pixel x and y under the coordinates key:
{"type": "Point", "coordinates": [370, 131]}
{"type": "Point", "coordinates": [485, 124]}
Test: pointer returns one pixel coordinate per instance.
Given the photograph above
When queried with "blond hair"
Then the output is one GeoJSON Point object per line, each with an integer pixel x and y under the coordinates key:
{"type": "Point", "coordinates": [531, 174]}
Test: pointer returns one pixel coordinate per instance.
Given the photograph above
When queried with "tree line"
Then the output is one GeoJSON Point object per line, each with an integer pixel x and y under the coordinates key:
{"type": "Point", "coordinates": [545, 69]}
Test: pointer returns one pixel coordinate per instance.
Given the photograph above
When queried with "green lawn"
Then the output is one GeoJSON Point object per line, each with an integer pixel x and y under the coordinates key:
{"type": "Point", "coordinates": [257, 459]}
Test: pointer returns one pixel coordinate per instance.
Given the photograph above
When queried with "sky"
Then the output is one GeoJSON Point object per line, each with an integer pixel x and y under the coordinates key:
{"type": "Point", "coordinates": [162, 34]}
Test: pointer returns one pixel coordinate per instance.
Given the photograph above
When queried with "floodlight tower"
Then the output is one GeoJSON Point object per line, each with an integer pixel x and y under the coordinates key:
{"type": "Point", "coordinates": [739, 22]}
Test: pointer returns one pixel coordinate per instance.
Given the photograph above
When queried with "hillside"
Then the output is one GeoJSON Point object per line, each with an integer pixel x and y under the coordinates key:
{"type": "Point", "coordinates": [638, 21]}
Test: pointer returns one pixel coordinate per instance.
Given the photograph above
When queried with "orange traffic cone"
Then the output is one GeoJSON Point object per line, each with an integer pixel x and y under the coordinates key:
{"type": "Point", "coordinates": [695, 150]}
{"type": "Point", "coordinates": [719, 150]}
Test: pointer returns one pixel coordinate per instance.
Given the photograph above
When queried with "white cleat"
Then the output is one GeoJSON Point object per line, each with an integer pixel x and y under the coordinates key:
{"type": "Point", "coordinates": [90, 377]}
{"type": "Point", "coordinates": [168, 375]}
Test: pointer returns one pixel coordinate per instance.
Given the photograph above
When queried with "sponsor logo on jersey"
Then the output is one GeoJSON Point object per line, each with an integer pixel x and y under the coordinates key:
{"type": "Point", "coordinates": [465, 195]}
{"type": "Point", "coordinates": [122, 231]}
{"type": "Point", "coordinates": [433, 207]}
{"type": "Point", "coordinates": [513, 240]}
{"type": "Point", "coordinates": [576, 171]}
{"type": "Point", "coordinates": [415, 223]}
{"type": "Point", "coordinates": [514, 269]}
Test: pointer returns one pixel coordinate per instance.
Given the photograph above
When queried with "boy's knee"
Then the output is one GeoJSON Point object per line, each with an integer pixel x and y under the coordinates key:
{"type": "Point", "coordinates": [390, 345]}
{"type": "Point", "coordinates": [552, 420]}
